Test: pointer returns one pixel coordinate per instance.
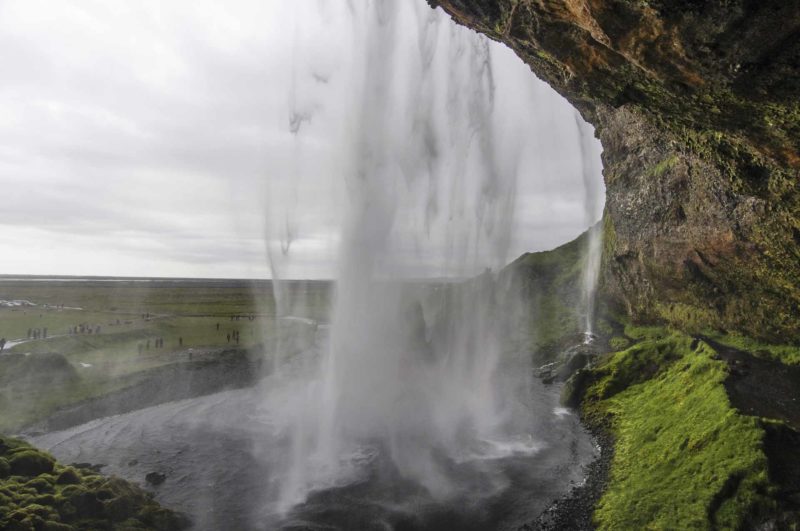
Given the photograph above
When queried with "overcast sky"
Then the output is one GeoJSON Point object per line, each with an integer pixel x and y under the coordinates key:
{"type": "Point", "coordinates": [152, 138]}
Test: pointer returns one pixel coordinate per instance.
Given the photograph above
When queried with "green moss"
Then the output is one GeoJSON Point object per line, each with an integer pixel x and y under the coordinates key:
{"type": "Point", "coordinates": [30, 462]}
{"type": "Point", "coordinates": [604, 327]}
{"type": "Point", "coordinates": [788, 354]}
{"type": "Point", "coordinates": [503, 24]}
{"type": "Point", "coordinates": [41, 485]}
{"type": "Point", "coordinates": [685, 316]}
{"type": "Point", "coordinates": [618, 343]}
{"type": "Point", "coordinates": [684, 458]}
{"type": "Point", "coordinates": [69, 476]}
{"type": "Point", "coordinates": [57, 526]}
{"type": "Point", "coordinates": [662, 167]}
{"type": "Point", "coordinates": [629, 367]}
{"type": "Point", "coordinates": [642, 332]}
{"type": "Point", "coordinates": [68, 499]}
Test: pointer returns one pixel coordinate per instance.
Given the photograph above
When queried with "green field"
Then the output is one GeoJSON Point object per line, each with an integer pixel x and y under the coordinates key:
{"type": "Point", "coordinates": [187, 316]}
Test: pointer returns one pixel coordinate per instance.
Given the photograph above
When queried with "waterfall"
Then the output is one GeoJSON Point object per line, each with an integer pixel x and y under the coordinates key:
{"type": "Point", "coordinates": [593, 204]}
{"type": "Point", "coordinates": [417, 375]}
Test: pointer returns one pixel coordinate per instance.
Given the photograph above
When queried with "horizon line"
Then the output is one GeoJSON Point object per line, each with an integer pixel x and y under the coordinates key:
{"type": "Point", "coordinates": [22, 277]}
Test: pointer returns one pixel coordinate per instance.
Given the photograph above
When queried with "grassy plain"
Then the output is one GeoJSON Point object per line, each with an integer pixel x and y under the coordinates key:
{"type": "Point", "coordinates": [200, 315]}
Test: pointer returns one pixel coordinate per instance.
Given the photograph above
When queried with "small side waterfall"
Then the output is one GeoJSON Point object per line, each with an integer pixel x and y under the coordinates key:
{"type": "Point", "coordinates": [593, 205]}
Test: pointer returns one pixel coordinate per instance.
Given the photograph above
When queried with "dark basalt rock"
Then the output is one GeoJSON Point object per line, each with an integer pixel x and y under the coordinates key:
{"type": "Point", "coordinates": [155, 478]}
{"type": "Point", "coordinates": [697, 105]}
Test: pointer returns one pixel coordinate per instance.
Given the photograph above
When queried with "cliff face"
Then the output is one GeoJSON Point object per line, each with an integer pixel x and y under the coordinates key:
{"type": "Point", "coordinates": [697, 105]}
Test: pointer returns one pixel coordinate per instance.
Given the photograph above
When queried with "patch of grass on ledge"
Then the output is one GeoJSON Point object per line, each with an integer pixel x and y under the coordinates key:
{"type": "Point", "coordinates": [788, 354]}
{"type": "Point", "coordinates": [37, 493]}
{"type": "Point", "coordinates": [684, 458]}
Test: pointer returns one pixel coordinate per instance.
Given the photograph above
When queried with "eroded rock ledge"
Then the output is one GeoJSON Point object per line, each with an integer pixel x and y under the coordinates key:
{"type": "Point", "coordinates": [697, 107]}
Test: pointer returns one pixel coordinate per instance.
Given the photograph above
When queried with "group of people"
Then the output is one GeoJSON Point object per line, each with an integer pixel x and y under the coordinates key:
{"type": "Point", "coordinates": [37, 333]}
{"type": "Point", "coordinates": [249, 317]}
{"type": "Point", "coordinates": [83, 329]}
{"type": "Point", "coordinates": [233, 335]}
{"type": "Point", "coordinates": [33, 333]}
{"type": "Point", "coordinates": [157, 343]}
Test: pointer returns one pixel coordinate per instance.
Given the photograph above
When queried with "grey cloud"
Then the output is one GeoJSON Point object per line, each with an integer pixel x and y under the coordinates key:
{"type": "Point", "coordinates": [173, 128]}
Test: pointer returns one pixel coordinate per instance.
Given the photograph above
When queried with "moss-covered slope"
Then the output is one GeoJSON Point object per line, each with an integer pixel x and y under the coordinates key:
{"type": "Point", "coordinates": [39, 494]}
{"type": "Point", "coordinates": [684, 456]}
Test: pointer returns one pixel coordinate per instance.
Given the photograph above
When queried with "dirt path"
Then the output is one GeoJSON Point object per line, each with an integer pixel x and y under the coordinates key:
{"type": "Point", "coordinates": [769, 389]}
{"type": "Point", "coordinates": [761, 387]}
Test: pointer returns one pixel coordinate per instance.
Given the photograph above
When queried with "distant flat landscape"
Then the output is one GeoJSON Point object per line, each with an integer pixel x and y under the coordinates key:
{"type": "Point", "coordinates": [69, 339]}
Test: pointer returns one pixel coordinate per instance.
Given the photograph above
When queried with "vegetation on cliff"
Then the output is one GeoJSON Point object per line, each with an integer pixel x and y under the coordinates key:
{"type": "Point", "coordinates": [39, 494]}
{"type": "Point", "coordinates": [684, 456]}
{"type": "Point", "coordinates": [550, 283]}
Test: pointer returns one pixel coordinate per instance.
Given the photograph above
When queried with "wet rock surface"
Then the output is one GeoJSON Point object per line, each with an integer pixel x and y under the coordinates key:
{"type": "Point", "coordinates": [573, 512]}
{"type": "Point", "coordinates": [155, 478]}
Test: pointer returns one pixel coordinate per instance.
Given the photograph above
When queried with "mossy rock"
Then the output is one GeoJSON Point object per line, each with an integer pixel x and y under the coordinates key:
{"type": "Point", "coordinates": [57, 526]}
{"type": "Point", "coordinates": [37, 494]}
{"type": "Point", "coordinates": [85, 503]}
{"type": "Point", "coordinates": [32, 516]}
{"type": "Point", "coordinates": [162, 519]}
{"type": "Point", "coordinates": [618, 343]}
{"type": "Point", "coordinates": [31, 463]}
{"type": "Point", "coordinates": [69, 476]}
{"type": "Point", "coordinates": [41, 485]}
{"type": "Point", "coordinates": [120, 508]}
{"type": "Point", "coordinates": [45, 499]}
{"type": "Point", "coordinates": [575, 387]}
{"type": "Point", "coordinates": [5, 468]}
